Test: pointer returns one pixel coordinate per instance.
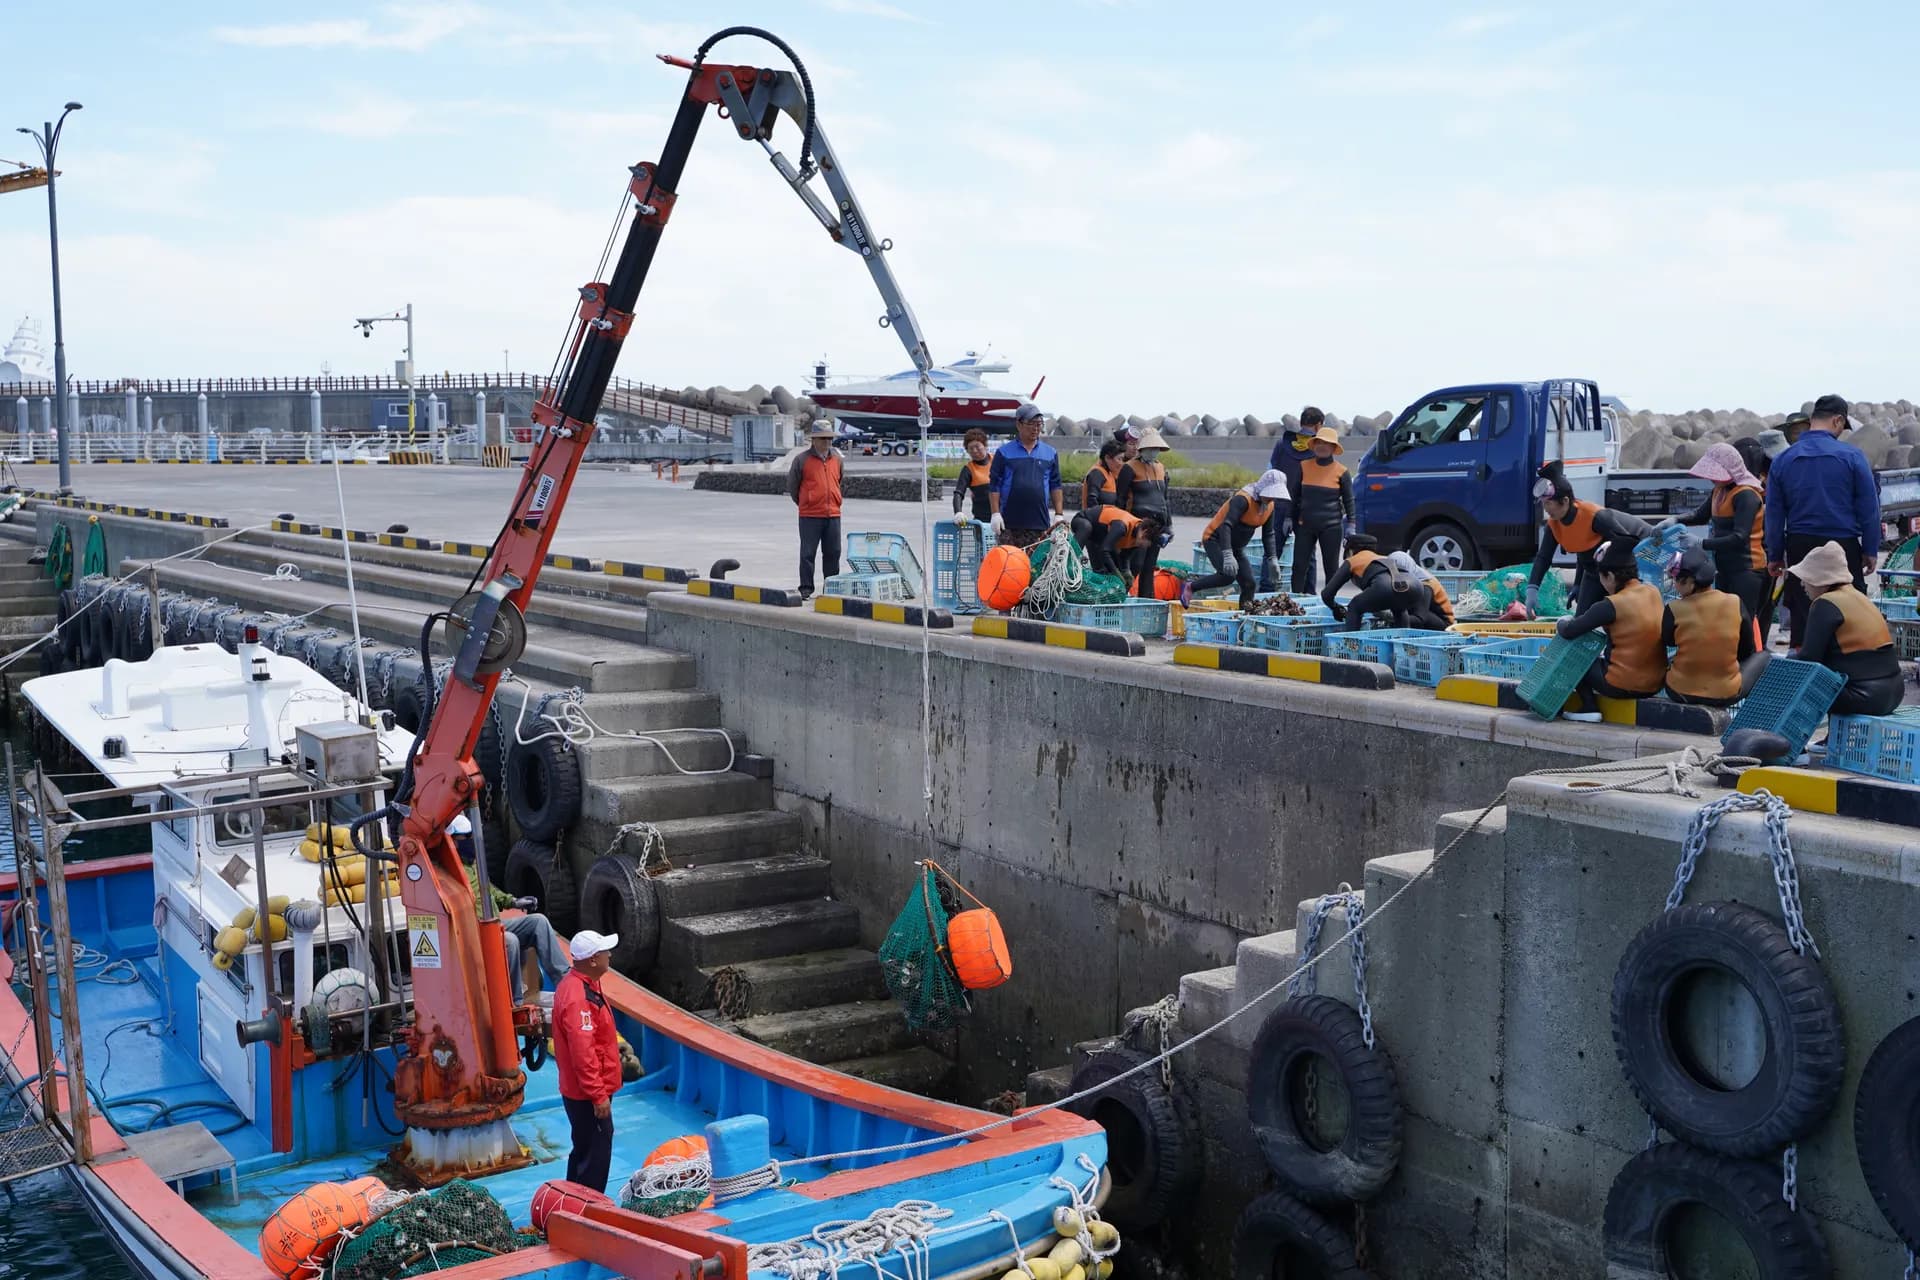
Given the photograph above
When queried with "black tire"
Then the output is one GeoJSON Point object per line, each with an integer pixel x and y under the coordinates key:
{"type": "Point", "coordinates": [1886, 1116]}
{"type": "Point", "coordinates": [96, 634]}
{"type": "Point", "coordinates": [537, 870]}
{"type": "Point", "coordinates": [1799, 1077]}
{"type": "Point", "coordinates": [1153, 1154]}
{"type": "Point", "coordinates": [135, 632]}
{"type": "Point", "coordinates": [543, 787]}
{"type": "Point", "coordinates": [409, 705]}
{"type": "Point", "coordinates": [72, 634]}
{"type": "Point", "coordinates": [617, 897]}
{"type": "Point", "coordinates": [498, 842]}
{"type": "Point", "coordinates": [1642, 1212]}
{"type": "Point", "coordinates": [1444, 547]}
{"type": "Point", "coordinates": [1279, 1238]}
{"type": "Point", "coordinates": [490, 752]}
{"type": "Point", "coordinates": [1294, 1036]}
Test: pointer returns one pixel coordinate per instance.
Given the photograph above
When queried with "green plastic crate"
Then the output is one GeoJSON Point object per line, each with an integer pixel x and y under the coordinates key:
{"type": "Point", "coordinates": [1551, 680]}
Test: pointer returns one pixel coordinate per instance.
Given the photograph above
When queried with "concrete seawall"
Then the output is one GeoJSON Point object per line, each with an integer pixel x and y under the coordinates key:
{"type": "Point", "coordinates": [1129, 822]}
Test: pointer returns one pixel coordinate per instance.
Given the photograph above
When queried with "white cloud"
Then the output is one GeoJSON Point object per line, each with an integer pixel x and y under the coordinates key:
{"type": "Point", "coordinates": [871, 9]}
{"type": "Point", "coordinates": [409, 28]}
{"type": "Point", "coordinates": [1473, 24]}
{"type": "Point", "coordinates": [1315, 29]}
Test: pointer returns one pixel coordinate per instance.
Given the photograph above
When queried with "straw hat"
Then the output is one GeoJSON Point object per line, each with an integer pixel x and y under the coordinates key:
{"type": "Point", "coordinates": [1824, 566]}
{"type": "Point", "coordinates": [820, 430]}
{"type": "Point", "coordinates": [1329, 436]}
{"type": "Point", "coordinates": [1152, 439]}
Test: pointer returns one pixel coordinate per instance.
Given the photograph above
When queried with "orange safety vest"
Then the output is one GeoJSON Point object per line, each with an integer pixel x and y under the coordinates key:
{"type": "Point", "coordinates": [1723, 495]}
{"type": "Point", "coordinates": [1578, 534]}
{"type": "Point", "coordinates": [1862, 626]}
{"type": "Point", "coordinates": [1097, 487]}
{"type": "Point", "coordinates": [1359, 562]}
{"type": "Point", "coordinates": [1636, 660]}
{"type": "Point", "coordinates": [1111, 514]}
{"type": "Point", "coordinates": [973, 474]}
{"type": "Point", "coordinates": [820, 485]}
{"type": "Point", "coordinates": [1315, 476]}
{"type": "Point", "coordinates": [1441, 602]}
{"type": "Point", "coordinates": [1257, 513]}
{"type": "Point", "coordinates": [1706, 645]}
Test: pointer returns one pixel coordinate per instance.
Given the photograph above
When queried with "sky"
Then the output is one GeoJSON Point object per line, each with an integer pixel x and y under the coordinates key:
{"type": "Point", "coordinates": [1188, 207]}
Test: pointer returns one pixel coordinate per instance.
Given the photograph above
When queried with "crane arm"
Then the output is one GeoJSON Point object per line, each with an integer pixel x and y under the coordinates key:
{"type": "Point", "coordinates": [461, 1079]}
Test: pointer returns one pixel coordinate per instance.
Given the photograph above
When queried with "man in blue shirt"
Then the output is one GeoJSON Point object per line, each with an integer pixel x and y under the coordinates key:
{"type": "Point", "coordinates": [1023, 482]}
{"type": "Point", "coordinates": [1821, 490]}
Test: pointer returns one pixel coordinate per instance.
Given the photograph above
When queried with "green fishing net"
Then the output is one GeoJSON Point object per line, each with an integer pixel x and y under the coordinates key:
{"type": "Point", "coordinates": [913, 960]}
{"type": "Point", "coordinates": [457, 1224]}
{"type": "Point", "coordinates": [1491, 596]}
{"type": "Point", "coordinates": [1094, 588]}
{"type": "Point", "coordinates": [1900, 559]}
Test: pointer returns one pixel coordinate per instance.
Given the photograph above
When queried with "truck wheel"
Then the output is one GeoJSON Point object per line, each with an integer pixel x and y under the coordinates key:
{"type": "Point", "coordinates": [1443, 547]}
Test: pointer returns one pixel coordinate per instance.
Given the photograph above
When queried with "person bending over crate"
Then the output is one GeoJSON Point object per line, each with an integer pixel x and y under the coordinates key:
{"type": "Point", "coordinates": [1846, 632]}
{"type": "Point", "coordinates": [1634, 664]}
{"type": "Point", "coordinates": [1101, 533]}
{"type": "Point", "coordinates": [1713, 636]}
{"type": "Point", "coordinates": [1227, 535]}
{"type": "Point", "coordinates": [1385, 589]}
{"type": "Point", "coordinates": [1577, 527]}
{"type": "Point", "coordinates": [1438, 615]}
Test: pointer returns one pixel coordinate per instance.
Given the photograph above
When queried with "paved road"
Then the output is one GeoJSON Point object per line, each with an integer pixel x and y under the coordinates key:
{"type": "Point", "coordinates": [611, 515]}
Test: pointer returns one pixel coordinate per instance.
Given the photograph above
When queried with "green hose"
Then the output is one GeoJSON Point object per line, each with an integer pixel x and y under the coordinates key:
{"type": "Point", "coordinates": [95, 561]}
{"type": "Point", "coordinates": [59, 562]}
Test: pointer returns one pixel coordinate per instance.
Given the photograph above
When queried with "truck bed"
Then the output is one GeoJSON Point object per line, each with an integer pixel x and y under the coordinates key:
{"type": "Point", "coordinates": [1665, 493]}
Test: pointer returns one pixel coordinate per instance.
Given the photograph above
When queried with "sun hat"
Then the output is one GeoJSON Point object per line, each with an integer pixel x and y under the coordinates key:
{"type": "Point", "coordinates": [820, 430]}
{"type": "Point", "coordinates": [1271, 484]}
{"type": "Point", "coordinates": [1722, 464]}
{"type": "Point", "coordinates": [587, 944]}
{"type": "Point", "coordinates": [1152, 439]}
{"type": "Point", "coordinates": [1824, 566]}
{"type": "Point", "coordinates": [1329, 436]}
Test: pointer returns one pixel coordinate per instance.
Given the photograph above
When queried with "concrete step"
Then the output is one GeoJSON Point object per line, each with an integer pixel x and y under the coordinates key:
{"type": "Point", "coordinates": [647, 711]}
{"type": "Point", "coordinates": [442, 563]}
{"type": "Point", "coordinates": [553, 655]}
{"type": "Point", "coordinates": [737, 886]}
{"type": "Point", "coordinates": [728, 937]}
{"type": "Point", "coordinates": [1205, 998]}
{"type": "Point", "coordinates": [27, 624]}
{"type": "Point", "coordinates": [780, 984]}
{"type": "Point", "coordinates": [727, 837]}
{"type": "Point", "coordinates": [25, 602]}
{"type": "Point", "coordinates": [917, 1070]}
{"type": "Point", "coordinates": [1050, 1085]}
{"type": "Point", "coordinates": [1259, 963]}
{"type": "Point", "coordinates": [663, 798]}
{"type": "Point", "coordinates": [17, 574]}
{"type": "Point", "coordinates": [832, 1033]}
{"type": "Point", "coordinates": [618, 622]}
{"type": "Point", "coordinates": [614, 758]}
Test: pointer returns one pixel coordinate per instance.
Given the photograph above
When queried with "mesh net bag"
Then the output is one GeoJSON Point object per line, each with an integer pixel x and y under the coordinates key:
{"type": "Point", "coordinates": [1489, 597]}
{"type": "Point", "coordinates": [457, 1224]}
{"type": "Point", "coordinates": [1901, 560]}
{"type": "Point", "coordinates": [668, 1187]}
{"type": "Point", "coordinates": [913, 959]}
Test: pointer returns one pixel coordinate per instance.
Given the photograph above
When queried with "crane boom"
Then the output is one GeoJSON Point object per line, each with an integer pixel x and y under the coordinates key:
{"type": "Point", "coordinates": [461, 1080]}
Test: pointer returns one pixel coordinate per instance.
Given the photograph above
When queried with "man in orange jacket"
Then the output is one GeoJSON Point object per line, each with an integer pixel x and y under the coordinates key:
{"type": "Point", "coordinates": [813, 482]}
{"type": "Point", "coordinates": [586, 1049]}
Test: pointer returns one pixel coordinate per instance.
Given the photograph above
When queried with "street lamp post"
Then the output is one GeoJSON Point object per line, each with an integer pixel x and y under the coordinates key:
{"type": "Point", "coordinates": [365, 325]}
{"type": "Point", "coordinates": [49, 142]}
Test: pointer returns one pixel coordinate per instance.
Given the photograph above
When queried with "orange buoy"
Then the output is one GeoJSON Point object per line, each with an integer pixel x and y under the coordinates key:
{"type": "Point", "coordinates": [558, 1195]}
{"type": "Point", "coordinates": [978, 949]}
{"type": "Point", "coordinates": [1166, 586]}
{"type": "Point", "coordinates": [688, 1147]}
{"type": "Point", "coordinates": [363, 1192]}
{"type": "Point", "coordinates": [1005, 574]}
{"type": "Point", "coordinates": [307, 1227]}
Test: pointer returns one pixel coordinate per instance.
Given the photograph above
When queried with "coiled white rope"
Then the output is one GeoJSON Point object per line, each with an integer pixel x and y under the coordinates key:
{"type": "Point", "coordinates": [1059, 577]}
{"type": "Point", "coordinates": [576, 726]}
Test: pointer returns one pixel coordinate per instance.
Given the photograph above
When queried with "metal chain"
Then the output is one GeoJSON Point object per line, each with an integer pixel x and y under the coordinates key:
{"type": "Point", "coordinates": [1790, 1175]}
{"type": "Point", "coordinates": [1786, 876]}
{"type": "Point", "coordinates": [1161, 1014]}
{"type": "Point", "coordinates": [1353, 906]}
{"type": "Point", "coordinates": [1310, 1088]}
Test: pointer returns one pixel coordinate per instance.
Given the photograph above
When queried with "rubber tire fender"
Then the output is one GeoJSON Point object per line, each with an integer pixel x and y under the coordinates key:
{"type": "Point", "coordinates": [618, 897]}
{"type": "Point", "coordinates": [1746, 1193]}
{"type": "Point", "coordinates": [536, 869]}
{"type": "Point", "coordinates": [96, 633]}
{"type": "Point", "coordinates": [1278, 1237]}
{"type": "Point", "coordinates": [497, 840]}
{"type": "Point", "coordinates": [134, 633]}
{"type": "Point", "coordinates": [1369, 1150]}
{"type": "Point", "coordinates": [1153, 1151]}
{"type": "Point", "coordinates": [543, 787]}
{"type": "Point", "coordinates": [1799, 1078]}
{"type": "Point", "coordinates": [489, 752]}
{"type": "Point", "coordinates": [1886, 1115]}
{"type": "Point", "coordinates": [409, 708]}
{"type": "Point", "coordinates": [72, 634]}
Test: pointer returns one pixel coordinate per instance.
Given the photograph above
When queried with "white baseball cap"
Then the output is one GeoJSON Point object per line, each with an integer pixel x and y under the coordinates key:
{"type": "Point", "coordinates": [587, 944]}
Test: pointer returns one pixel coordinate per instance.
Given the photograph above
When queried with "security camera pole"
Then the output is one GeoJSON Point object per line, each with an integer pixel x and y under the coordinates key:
{"type": "Point", "coordinates": [48, 139]}
{"type": "Point", "coordinates": [366, 324]}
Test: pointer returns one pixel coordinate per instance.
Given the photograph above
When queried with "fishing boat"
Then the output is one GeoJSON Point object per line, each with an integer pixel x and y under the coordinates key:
{"type": "Point", "coordinates": [961, 398]}
{"type": "Point", "coordinates": [200, 1117]}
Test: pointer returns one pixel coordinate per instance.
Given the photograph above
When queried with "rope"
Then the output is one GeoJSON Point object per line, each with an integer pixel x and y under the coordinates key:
{"type": "Point", "coordinates": [1662, 777]}
{"type": "Point", "coordinates": [576, 726]}
{"type": "Point", "coordinates": [1059, 577]}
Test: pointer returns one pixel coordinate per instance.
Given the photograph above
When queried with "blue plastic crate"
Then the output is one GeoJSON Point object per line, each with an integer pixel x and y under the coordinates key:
{"type": "Point", "coordinates": [957, 552]}
{"type": "Point", "coordinates": [1142, 617]}
{"type": "Point", "coordinates": [1790, 698]}
{"type": "Point", "coordinates": [1367, 646]}
{"type": "Point", "coordinates": [1256, 551]}
{"type": "Point", "coordinates": [1654, 552]}
{"type": "Point", "coordinates": [1428, 657]}
{"type": "Point", "coordinates": [1508, 659]}
{"type": "Point", "coordinates": [1882, 746]}
{"type": "Point", "coordinates": [1456, 581]}
{"type": "Point", "coordinates": [1285, 635]}
{"type": "Point", "coordinates": [1899, 608]}
{"type": "Point", "coordinates": [1206, 627]}
{"type": "Point", "coordinates": [885, 553]}
{"type": "Point", "coordinates": [866, 586]}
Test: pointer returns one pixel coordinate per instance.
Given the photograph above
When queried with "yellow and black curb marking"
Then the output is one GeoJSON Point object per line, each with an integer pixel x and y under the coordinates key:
{"type": "Point", "coordinates": [477, 550]}
{"type": "Point", "coordinates": [579, 564]}
{"type": "Point", "coordinates": [71, 503]}
{"type": "Point", "coordinates": [296, 526]}
{"type": "Point", "coordinates": [749, 595]}
{"type": "Point", "coordinates": [1122, 644]}
{"type": "Point", "coordinates": [409, 457]}
{"type": "Point", "coordinates": [1844, 795]}
{"type": "Point", "coordinates": [883, 611]}
{"type": "Point", "coordinates": [1638, 713]}
{"type": "Point", "coordinates": [650, 572]}
{"type": "Point", "coordinates": [407, 541]}
{"type": "Point", "coordinates": [1341, 673]}
{"type": "Point", "coordinates": [332, 534]}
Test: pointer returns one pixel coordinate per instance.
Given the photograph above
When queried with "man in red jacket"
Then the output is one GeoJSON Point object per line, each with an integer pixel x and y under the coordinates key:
{"type": "Point", "coordinates": [813, 482]}
{"type": "Point", "coordinates": [586, 1050]}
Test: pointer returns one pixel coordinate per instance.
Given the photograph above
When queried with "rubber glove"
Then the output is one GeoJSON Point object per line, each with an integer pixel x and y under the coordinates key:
{"type": "Point", "coordinates": [963, 520]}
{"type": "Point", "coordinates": [1668, 523]}
{"type": "Point", "coordinates": [1228, 564]}
{"type": "Point", "coordinates": [1339, 612]}
{"type": "Point", "coordinates": [1166, 537]}
{"type": "Point", "coordinates": [1533, 602]}
{"type": "Point", "coordinates": [998, 523]}
{"type": "Point", "coordinates": [1059, 517]}
{"type": "Point", "coordinates": [1350, 528]}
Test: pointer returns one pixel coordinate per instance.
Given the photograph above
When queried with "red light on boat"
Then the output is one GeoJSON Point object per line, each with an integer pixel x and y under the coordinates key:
{"type": "Point", "coordinates": [250, 636]}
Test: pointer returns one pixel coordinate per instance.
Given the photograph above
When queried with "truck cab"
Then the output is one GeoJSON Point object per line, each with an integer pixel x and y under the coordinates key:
{"type": "Point", "coordinates": [1451, 481]}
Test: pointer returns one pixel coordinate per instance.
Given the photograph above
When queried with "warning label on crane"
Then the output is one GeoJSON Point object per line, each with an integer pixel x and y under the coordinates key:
{"type": "Point", "coordinates": [423, 941]}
